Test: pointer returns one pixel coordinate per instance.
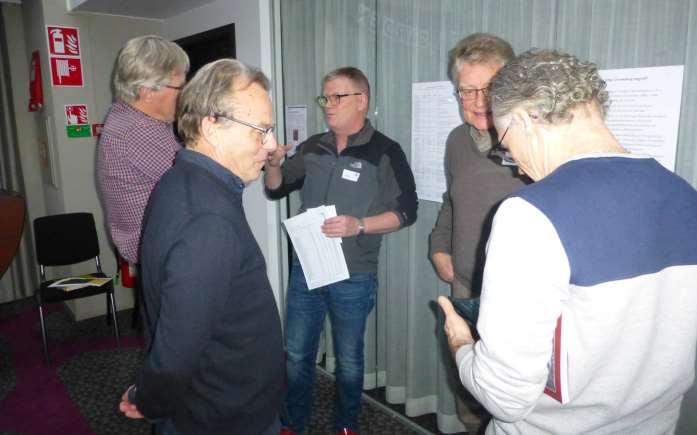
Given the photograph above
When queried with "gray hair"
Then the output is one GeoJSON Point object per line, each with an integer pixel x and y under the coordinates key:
{"type": "Point", "coordinates": [353, 74]}
{"type": "Point", "coordinates": [478, 48]}
{"type": "Point", "coordinates": [147, 62]}
{"type": "Point", "coordinates": [210, 92]}
{"type": "Point", "coordinates": [547, 84]}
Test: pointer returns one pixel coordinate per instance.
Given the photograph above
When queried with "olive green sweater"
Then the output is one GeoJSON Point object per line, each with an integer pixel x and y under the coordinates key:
{"type": "Point", "coordinates": [475, 187]}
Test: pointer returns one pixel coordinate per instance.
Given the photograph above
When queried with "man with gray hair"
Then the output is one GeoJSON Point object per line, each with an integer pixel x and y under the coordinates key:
{"type": "Point", "coordinates": [216, 363]}
{"type": "Point", "coordinates": [588, 318]}
{"type": "Point", "coordinates": [365, 174]}
{"type": "Point", "coordinates": [477, 179]}
{"type": "Point", "coordinates": [137, 144]}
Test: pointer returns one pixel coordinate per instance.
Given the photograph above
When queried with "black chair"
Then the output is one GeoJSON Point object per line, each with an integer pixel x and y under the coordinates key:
{"type": "Point", "coordinates": [62, 240]}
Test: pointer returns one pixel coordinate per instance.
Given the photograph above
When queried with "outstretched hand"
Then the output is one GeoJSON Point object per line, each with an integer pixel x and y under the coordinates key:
{"type": "Point", "coordinates": [456, 329]}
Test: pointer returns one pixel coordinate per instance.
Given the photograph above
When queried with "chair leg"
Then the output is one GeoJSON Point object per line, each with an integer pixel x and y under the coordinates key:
{"type": "Point", "coordinates": [113, 315]}
{"type": "Point", "coordinates": [108, 310]}
{"type": "Point", "coordinates": [43, 336]}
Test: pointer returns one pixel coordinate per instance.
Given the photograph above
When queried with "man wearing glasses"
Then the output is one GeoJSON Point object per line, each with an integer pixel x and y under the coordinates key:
{"type": "Point", "coordinates": [216, 364]}
{"type": "Point", "coordinates": [137, 144]}
{"type": "Point", "coordinates": [478, 176]}
{"type": "Point", "coordinates": [366, 176]}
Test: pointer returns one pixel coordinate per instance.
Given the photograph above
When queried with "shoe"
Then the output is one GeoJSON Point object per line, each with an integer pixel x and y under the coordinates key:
{"type": "Point", "coordinates": [286, 431]}
{"type": "Point", "coordinates": [346, 431]}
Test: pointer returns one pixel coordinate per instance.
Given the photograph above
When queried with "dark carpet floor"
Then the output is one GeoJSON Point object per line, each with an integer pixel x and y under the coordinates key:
{"type": "Point", "coordinates": [78, 393]}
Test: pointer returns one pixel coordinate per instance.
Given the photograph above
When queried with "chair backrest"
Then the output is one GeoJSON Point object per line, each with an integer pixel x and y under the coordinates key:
{"type": "Point", "coordinates": [65, 239]}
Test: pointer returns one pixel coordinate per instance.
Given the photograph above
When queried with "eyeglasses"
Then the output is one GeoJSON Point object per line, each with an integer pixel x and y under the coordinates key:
{"type": "Point", "coordinates": [266, 133]}
{"type": "Point", "coordinates": [501, 155]}
{"type": "Point", "coordinates": [471, 94]}
{"type": "Point", "coordinates": [333, 100]}
{"type": "Point", "coordinates": [176, 88]}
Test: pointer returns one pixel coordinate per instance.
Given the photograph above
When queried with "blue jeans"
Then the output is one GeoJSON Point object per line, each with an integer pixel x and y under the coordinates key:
{"type": "Point", "coordinates": [348, 303]}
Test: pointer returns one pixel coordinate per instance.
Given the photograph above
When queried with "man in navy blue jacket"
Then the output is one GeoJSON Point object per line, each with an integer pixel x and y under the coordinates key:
{"type": "Point", "coordinates": [216, 362]}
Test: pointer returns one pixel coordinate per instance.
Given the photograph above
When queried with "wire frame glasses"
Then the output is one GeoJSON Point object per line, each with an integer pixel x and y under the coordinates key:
{"type": "Point", "coordinates": [266, 132]}
{"type": "Point", "coordinates": [501, 155]}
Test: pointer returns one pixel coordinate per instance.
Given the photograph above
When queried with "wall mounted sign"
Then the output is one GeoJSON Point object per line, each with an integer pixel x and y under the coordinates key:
{"type": "Point", "coordinates": [66, 71]}
{"type": "Point", "coordinates": [74, 131]}
{"type": "Point", "coordinates": [77, 121]}
{"type": "Point", "coordinates": [63, 41]}
{"type": "Point", "coordinates": [97, 129]}
{"type": "Point", "coordinates": [645, 112]}
{"type": "Point", "coordinates": [296, 126]}
{"type": "Point", "coordinates": [64, 55]}
{"type": "Point", "coordinates": [75, 114]}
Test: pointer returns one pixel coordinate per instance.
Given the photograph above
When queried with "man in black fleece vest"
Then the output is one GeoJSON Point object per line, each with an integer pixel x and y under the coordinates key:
{"type": "Point", "coordinates": [366, 176]}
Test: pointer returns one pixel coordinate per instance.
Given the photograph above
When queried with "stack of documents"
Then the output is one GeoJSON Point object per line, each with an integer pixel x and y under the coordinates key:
{"type": "Point", "coordinates": [321, 257]}
{"type": "Point", "coordinates": [77, 282]}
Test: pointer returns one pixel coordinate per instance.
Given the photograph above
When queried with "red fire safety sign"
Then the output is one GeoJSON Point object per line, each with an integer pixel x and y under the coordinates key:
{"type": "Point", "coordinates": [75, 114]}
{"type": "Point", "coordinates": [63, 41]}
{"type": "Point", "coordinates": [64, 55]}
{"type": "Point", "coordinates": [66, 71]}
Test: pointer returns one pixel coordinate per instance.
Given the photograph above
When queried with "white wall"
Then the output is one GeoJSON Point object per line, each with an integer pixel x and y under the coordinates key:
{"type": "Point", "coordinates": [101, 37]}
{"type": "Point", "coordinates": [252, 19]}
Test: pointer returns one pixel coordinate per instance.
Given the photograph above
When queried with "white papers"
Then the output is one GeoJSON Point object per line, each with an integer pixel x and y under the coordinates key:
{"type": "Point", "coordinates": [321, 257]}
{"type": "Point", "coordinates": [78, 282]}
{"type": "Point", "coordinates": [296, 126]}
{"type": "Point", "coordinates": [435, 112]}
{"type": "Point", "coordinates": [644, 116]}
{"type": "Point", "coordinates": [645, 110]}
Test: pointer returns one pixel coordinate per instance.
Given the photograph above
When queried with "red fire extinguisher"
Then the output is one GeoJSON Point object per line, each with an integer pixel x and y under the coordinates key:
{"type": "Point", "coordinates": [128, 273]}
{"type": "Point", "coordinates": [36, 93]}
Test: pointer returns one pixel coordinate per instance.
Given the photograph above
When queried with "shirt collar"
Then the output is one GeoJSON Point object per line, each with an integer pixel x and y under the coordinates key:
{"type": "Point", "coordinates": [125, 107]}
{"type": "Point", "coordinates": [483, 141]}
{"type": "Point", "coordinates": [361, 137]}
{"type": "Point", "coordinates": [230, 180]}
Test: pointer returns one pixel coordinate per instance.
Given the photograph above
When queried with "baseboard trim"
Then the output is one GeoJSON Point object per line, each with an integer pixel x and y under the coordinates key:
{"type": "Point", "coordinates": [387, 410]}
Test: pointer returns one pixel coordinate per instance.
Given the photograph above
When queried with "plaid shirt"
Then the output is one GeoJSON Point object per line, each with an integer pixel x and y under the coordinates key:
{"type": "Point", "coordinates": [135, 150]}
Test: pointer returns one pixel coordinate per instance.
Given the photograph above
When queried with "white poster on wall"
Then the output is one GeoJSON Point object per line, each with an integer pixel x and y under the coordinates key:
{"type": "Point", "coordinates": [435, 113]}
{"type": "Point", "coordinates": [644, 116]}
{"type": "Point", "coordinates": [645, 110]}
{"type": "Point", "coordinates": [296, 126]}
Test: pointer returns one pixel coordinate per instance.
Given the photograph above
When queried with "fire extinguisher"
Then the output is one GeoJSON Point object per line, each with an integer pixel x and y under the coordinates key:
{"type": "Point", "coordinates": [128, 273]}
{"type": "Point", "coordinates": [36, 94]}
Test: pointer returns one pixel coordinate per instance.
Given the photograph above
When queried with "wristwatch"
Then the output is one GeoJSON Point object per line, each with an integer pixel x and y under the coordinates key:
{"type": "Point", "coordinates": [361, 227]}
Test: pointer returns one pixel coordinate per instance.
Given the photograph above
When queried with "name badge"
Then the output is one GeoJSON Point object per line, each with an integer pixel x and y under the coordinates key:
{"type": "Point", "coordinates": [350, 175]}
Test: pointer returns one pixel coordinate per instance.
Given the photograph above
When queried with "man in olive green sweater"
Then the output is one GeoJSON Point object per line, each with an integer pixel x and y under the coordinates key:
{"type": "Point", "coordinates": [478, 179]}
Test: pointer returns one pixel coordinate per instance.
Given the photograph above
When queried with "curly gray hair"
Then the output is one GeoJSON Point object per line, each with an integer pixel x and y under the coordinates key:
{"type": "Point", "coordinates": [147, 62]}
{"type": "Point", "coordinates": [547, 84]}
{"type": "Point", "coordinates": [210, 93]}
{"type": "Point", "coordinates": [478, 48]}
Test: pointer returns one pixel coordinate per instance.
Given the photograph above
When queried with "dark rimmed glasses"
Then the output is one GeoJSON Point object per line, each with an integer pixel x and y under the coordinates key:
{"type": "Point", "coordinates": [469, 94]}
{"type": "Point", "coordinates": [266, 133]}
{"type": "Point", "coordinates": [333, 100]}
